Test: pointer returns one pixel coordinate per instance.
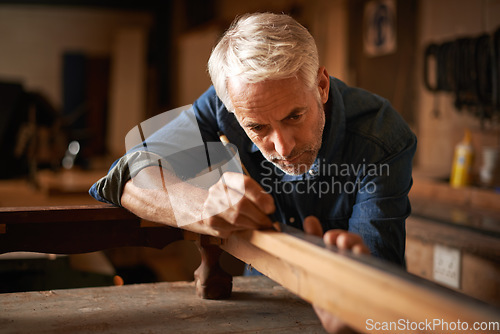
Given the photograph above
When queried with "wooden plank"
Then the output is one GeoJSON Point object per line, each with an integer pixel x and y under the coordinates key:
{"type": "Point", "coordinates": [482, 221]}
{"type": "Point", "coordinates": [78, 229]}
{"type": "Point", "coordinates": [456, 236]}
{"type": "Point", "coordinates": [467, 197]}
{"type": "Point", "coordinates": [70, 214]}
{"type": "Point", "coordinates": [17, 193]}
{"type": "Point", "coordinates": [356, 288]}
{"type": "Point", "coordinates": [257, 305]}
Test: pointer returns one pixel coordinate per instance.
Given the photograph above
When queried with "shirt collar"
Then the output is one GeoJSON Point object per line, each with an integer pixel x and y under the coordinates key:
{"type": "Point", "coordinates": [252, 148]}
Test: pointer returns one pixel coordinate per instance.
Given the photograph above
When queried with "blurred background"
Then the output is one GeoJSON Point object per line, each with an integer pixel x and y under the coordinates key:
{"type": "Point", "coordinates": [76, 76]}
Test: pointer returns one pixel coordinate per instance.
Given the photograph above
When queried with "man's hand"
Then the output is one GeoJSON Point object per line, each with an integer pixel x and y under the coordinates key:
{"type": "Point", "coordinates": [343, 240]}
{"type": "Point", "coordinates": [340, 238]}
{"type": "Point", "coordinates": [236, 202]}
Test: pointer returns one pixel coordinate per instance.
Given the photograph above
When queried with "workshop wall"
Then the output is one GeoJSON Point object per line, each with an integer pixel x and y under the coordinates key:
{"type": "Point", "coordinates": [440, 125]}
{"type": "Point", "coordinates": [382, 51]}
{"type": "Point", "coordinates": [83, 61]}
{"type": "Point", "coordinates": [325, 19]}
{"type": "Point", "coordinates": [34, 39]}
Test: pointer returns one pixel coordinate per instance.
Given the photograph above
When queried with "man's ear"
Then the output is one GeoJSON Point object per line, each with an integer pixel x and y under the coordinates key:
{"type": "Point", "coordinates": [323, 84]}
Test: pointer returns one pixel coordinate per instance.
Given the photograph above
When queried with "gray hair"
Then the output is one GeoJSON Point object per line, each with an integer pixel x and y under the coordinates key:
{"type": "Point", "coordinates": [263, 46]}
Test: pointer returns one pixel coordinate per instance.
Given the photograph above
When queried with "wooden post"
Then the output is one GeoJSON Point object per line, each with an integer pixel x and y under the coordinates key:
{"type": "Point", "coordinates": [212, 282]}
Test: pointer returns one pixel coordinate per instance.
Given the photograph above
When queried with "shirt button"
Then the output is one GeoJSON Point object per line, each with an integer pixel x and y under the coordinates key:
{"type": "Point", "coordinates": [291, 220]}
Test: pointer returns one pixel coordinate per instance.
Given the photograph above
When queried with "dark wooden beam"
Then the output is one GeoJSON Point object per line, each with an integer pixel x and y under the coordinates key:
{"type": "Point", "coordinates": [78, 229]}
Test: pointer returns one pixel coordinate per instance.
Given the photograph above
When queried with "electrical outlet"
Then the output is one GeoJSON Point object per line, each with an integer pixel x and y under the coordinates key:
{"type": "Point", "coordinates": [447, 264]}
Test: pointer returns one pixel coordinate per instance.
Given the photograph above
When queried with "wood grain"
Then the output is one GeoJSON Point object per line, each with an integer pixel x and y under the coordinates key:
{"type": "Point", "coordinates": [452, 235]}
{"type": "Point", "coordinates": [356, 288]}
{"type": "Point", "coordinates": [258, 305]}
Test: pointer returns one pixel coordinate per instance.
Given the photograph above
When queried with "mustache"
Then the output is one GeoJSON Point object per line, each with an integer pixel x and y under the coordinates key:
{"type": "Point", "coordinates": [294, 154]}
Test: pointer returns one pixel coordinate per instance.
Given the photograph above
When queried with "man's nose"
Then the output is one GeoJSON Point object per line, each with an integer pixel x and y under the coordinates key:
{"type": "Point", "coordinates": [283, 141]}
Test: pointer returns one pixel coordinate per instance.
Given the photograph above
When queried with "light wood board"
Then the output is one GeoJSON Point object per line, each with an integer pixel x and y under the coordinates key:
{"type": "Point", "coordinates": [360, 290]}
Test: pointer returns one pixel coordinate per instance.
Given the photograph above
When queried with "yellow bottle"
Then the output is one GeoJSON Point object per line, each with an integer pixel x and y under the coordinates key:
{"type": "Point", "coordinates": [461, 171]}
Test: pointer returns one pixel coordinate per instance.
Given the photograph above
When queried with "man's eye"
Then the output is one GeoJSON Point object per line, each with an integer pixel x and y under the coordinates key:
{"type": "Point", "coordinates": [294, 117]}
{"type": "Point", "coordinates": [257, 128]}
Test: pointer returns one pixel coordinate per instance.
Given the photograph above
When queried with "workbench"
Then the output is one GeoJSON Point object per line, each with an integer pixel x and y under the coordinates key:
{"type": "Point", "coordinates": [257, 305]}
{"type": "Point", "coordinates": [354, 287]}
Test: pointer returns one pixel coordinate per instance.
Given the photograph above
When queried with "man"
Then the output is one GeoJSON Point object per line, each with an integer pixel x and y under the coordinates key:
{"type": "Point", "coordinates": [321, 156]}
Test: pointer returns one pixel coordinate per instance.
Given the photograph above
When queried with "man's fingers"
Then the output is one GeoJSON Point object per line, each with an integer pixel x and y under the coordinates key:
{"type": "Point", "coordinates": [331, 236]}
{"type": "Point", "coordinates": [360, 249]}
{"type": "Point", "coordinates": [345, 240]}
{"type": "Point", "coordinates": [220, 227]}
{"type": "Point", "coordinates": [244, 184]}
{"type": "Point", "coordinates": [242, 215]}
{"type": "Point", "coordinates": [246, 214]}
{"type": "Point", "coordinates": [352, 242]}
{"type": "Point", "coordinates": [237, 202]}
{"type": "Point", "coordinates": [313, 226]}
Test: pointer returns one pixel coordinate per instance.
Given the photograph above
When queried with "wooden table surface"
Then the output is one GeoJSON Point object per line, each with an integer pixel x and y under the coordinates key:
{"type": "Point", "coordinates": [258, 305]}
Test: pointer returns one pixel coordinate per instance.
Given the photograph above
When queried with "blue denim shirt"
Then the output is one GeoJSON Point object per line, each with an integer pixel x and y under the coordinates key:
{"type": "Point", "coordinates": [359, 181]}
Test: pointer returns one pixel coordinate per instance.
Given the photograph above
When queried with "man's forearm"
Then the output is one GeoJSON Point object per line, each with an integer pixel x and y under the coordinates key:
{"type": "Point", "coordinates": [146, 195]}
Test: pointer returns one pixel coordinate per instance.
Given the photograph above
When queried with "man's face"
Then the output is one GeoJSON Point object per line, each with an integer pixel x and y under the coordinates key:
{"type": "Point", "coordinates": [283, 118]}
